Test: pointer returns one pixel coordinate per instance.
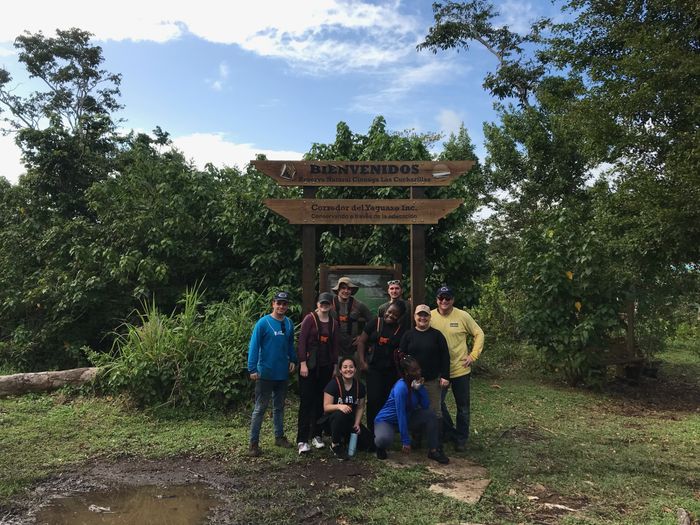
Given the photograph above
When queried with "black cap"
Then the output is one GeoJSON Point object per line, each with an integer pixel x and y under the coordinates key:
{"type": "Point", "coordinates": [444, 290]}
{"type": "Point", "coordinates": [325, 297]}
{"type": "Point", "coordinates": [281, 296]}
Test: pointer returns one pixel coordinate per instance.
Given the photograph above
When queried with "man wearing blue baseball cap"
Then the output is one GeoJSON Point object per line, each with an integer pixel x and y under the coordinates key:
{"type": "Point", "coordinates": [271, 358]}
{"type": "Point", "coordinates": [456, 325]}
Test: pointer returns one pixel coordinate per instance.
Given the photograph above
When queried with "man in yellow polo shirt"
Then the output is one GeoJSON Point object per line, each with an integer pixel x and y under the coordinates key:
{"type": "Point", "coordinates": [456, 325]}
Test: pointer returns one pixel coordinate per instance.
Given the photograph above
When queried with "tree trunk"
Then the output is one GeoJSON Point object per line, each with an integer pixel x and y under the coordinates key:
{"type": "Point", "coordinates": [44, 381]}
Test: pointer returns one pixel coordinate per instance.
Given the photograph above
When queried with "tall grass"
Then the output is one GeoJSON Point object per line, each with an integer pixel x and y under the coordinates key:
{"type": "Point", "coordinates": [194, 357]}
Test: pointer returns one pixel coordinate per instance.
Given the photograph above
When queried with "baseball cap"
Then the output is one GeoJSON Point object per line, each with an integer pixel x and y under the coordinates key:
{"type": "Point", "coordinates": [325, 297]}
{"type": "Point", "coordinates": [281, 296]}
{"type": "Point", "coordinates": [444, 290]}
{"type": "Point", "coordinates": [422, 308]}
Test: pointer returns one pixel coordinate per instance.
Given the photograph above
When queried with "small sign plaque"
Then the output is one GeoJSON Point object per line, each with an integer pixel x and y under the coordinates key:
{"type": "Point", "coordinates": [339, 173]}
{"type": "Point", "coordinates": [362, 211]}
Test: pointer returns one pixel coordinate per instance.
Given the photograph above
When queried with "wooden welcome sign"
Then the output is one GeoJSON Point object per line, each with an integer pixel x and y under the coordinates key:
{"type": "Point", "coordinates": [335, 173]}
{"type": "Point", "coordinates": [416, 211]}
{"type": "Point", "coordinates": [362, 211]}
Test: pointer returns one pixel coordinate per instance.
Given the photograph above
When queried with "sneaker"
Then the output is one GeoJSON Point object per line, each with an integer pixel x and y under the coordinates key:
{"type": "Point", "coordinates": [303, 448]}
{"type": "Point", "coordinates": [381, 453]}
{"type": "Point", "coordinates": [317, 442]}
{"type": "Point", "coordinates": [254, 450]}
{"type": "Point", "coordinates": [339, 452]}
{"type": "Point", "coordinates": [439, 456]}
{"type": "Point", "coordinates": [282, 442]}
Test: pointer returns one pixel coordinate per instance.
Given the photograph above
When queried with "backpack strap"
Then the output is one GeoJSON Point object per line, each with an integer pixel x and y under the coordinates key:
{"type": "Point", "coordinates": [336, 307]}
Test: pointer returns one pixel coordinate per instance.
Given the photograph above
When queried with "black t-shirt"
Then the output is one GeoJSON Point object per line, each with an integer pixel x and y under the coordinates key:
{"type": "Point", "coordinates": [346, 397]}
{"type": "Point", "coordinates": [383, 343]}
{"type": "Point", "coordinates": [430, 349]}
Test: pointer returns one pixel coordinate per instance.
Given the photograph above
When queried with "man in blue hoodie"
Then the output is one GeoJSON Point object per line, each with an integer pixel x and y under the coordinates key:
{"type": "Point", "coordinates": [271, 358]}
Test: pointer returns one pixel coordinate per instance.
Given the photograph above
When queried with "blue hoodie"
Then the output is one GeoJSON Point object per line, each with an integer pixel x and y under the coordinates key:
{"type": "Point", "coordinates": [271, 348]}
{"type": "Point", "coordinates": [396, 409]}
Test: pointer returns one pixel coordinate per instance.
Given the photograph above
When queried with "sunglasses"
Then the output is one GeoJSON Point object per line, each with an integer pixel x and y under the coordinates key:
{"type": "Point", "coordinates": [393, 281]}
{"type": "Point", "coordinates": [444, 298]}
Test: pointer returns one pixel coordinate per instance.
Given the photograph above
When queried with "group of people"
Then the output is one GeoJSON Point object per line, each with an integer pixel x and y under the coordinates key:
{"type": "Point", "coordinates": [407, 368]}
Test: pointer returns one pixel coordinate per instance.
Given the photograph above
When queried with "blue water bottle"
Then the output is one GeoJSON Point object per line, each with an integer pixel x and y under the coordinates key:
{"type": "Point", "coordinates": [352, 444]}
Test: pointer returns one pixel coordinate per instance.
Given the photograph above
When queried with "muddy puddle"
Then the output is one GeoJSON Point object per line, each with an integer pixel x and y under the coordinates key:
{"type": "Point", "coordinates": [153, 505]}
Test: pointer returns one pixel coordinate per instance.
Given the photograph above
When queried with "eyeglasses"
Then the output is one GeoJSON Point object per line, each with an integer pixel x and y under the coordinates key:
{"type": "Point", "coordinates": [393, 281]}
{"type": "Point", "coordinates": [444, 298]}
{"type": "Point", "coordinates": [283, 327]}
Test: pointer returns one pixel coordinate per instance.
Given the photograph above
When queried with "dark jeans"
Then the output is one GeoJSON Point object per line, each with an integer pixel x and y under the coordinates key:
{"type": "Point", "coordinates": [460, 389]}
{"type": "Point", "coordinates": [379, 384]}
{"type": "Point", "coordinates": [264, 388]}
{"type": "Point", "coordinates": [311, 402]}
{"type": "Point", "coordinates": [422, 419]}
{"type": "Point", "coordinates": [339, 426]}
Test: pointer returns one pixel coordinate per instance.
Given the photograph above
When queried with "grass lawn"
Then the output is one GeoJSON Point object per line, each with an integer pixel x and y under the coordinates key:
{"type": "Point", "coordinates": [628, 455]}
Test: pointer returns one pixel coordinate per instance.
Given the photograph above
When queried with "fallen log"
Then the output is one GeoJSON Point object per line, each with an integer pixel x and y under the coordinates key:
{"type": "Point", "coordinates": [17, 384]}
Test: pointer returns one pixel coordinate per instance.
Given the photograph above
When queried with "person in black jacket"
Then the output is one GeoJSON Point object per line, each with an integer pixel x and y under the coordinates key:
{"type": "Point", "coordinates": [429, 347]}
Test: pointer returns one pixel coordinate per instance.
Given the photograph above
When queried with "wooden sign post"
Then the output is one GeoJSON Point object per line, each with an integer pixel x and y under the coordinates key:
{"type": "Point", "coordinates": [416, 211]}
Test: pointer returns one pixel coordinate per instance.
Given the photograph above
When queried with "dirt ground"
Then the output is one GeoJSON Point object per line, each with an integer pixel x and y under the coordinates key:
{"type": "Point", "coordinates": [251, 492]}
{"type": "Point", "coordinates": [254, 491]}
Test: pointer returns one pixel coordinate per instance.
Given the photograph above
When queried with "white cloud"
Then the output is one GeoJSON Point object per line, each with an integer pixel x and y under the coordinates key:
{"type": "Point", "coordinates": [518, 16]}
{"type": "Point", "coordinates": [449, 121]}
{"type": "Point", "coordinates": [213, 147]}
{"type": "Point", "coordinates": [219, 83]}
{"type": "Point", "coordinates": [201, 148]}
{"type": "Point", "coordinates": [401, 82]}
{"type": "Point", "coordinates": [7, 51]}
{"type": "Point", "coordinates": [314, 35]}
{"type": "Point", "coordinates": [11, 166]}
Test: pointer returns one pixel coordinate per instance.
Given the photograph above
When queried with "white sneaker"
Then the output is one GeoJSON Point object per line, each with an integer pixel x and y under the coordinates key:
{"type": "Point", "coordinates": [317, 442]}
{"type": "Point", "coordinates": [303, 448]}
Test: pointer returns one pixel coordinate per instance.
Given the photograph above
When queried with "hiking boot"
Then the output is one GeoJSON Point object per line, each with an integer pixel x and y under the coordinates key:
{"type": "Point", "coordinates": [439, 456]}
{"type": "Point", "coordinates": [339, 452]}
{"type": "Point", "coordinates": [254, 450]}
{"type": "Point", "coordinates": [317, 442]}
{"type": "Point", "coordinates": [281, 441]}
{"type": "Point", "coordinates": [381, 453]}
{"type": "Point", "coordinates": [303, 448]}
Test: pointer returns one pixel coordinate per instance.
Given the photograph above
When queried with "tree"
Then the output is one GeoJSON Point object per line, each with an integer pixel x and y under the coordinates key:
{"type": "Point", "coordinates": [581, 97]}
{"type": "Point", "coordinates": [453, 252]}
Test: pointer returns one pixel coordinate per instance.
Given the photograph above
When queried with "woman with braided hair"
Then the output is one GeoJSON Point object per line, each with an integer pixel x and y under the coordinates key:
{"type": "Point", "coordinates": [407, 409]}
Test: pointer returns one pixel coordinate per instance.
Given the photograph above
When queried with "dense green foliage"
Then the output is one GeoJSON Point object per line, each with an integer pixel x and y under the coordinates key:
{"type": "Point", "coordinates": [609, 93]}
{"type": "Point", "coordinates": [195, 356]}
{"type": "Point", "coordinates": [591, 174]}
{"type": "Point", "coordinates": [454, 253]}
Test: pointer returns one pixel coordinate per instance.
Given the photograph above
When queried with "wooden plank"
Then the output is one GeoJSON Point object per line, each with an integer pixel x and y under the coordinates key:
{"type": "Point", "coordinates": [417, 257]}
{"type": "Point", "coordinates": [362, 211]}
{"type": "Point", "coordinates": [337, 173]}
{"type": "Point", "coordinates": [308, 270]}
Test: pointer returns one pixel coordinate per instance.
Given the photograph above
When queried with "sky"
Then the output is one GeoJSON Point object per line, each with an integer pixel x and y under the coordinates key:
{"type": "Point", "coordinates": [230, 80]}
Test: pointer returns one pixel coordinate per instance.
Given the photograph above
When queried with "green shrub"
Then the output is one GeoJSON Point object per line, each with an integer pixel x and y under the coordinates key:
{"type": "Point", "coordinates": [192, 357]}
